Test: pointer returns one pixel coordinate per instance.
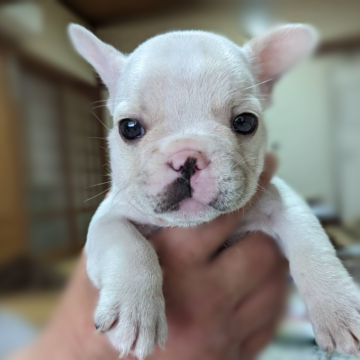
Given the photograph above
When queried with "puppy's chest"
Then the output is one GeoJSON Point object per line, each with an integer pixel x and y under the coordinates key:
{"type": "Point", "coordinates": [246, 225]}
{"type": "Point", "coordinates": [147, 230]}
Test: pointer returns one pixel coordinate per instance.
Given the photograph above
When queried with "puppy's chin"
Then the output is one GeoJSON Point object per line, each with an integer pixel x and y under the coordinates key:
{"type": "Point", "coordinates": [191, 205]}
{"type": "Point", "coordinates": [190, 212]}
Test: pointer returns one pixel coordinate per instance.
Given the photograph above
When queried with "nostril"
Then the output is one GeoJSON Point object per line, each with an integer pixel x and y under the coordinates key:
{"type": "Point", "coordinates": [188, 160]}
{"type": "Point", "coordinates": [178, 168]}
{"type": "Point", "coordinates": [201, 164]}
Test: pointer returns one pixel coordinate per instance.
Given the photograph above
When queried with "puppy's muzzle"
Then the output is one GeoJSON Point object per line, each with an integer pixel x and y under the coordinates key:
{"type": "Point", "coordinates": [187, 164]}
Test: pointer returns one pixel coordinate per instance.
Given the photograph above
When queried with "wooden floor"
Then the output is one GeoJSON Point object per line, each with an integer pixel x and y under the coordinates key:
{"type": "Point", "coordinates": [37, 307]}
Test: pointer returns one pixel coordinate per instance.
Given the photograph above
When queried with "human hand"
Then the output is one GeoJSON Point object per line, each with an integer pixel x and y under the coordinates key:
{"type": "Point", "coordinates": [219, 305]}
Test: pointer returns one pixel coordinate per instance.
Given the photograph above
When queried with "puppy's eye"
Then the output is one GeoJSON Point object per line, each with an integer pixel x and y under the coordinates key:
{"type": "Point", "coordinates": [245, 123]}
{"type": "Point", "coordinates": [131, 129]}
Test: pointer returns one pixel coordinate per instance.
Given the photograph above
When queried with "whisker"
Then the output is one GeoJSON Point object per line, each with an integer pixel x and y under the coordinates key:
{"type": "Point", "coordinates": [116, 195]}
{"type": "Point", "coordinates": [95, 102]}
{"type": "Point", "coordinates": [99, 106]}
{"type": "Point", "coordinates": [263, 82]}
{"type": "Point", "coordinates": [113, 101]}
{"type": "Point", "coordinates": [268, 192]}
{"type": "Point", "coordinates": [101, 121]}
{"type": "Point", "coordinates": [106, 182]}
{"type": "Point", "coordinates": [103, 192]}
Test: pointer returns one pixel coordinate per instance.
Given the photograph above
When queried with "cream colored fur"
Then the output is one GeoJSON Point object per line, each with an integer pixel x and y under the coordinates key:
{"type": "Point", "coordinates": [185, 87]}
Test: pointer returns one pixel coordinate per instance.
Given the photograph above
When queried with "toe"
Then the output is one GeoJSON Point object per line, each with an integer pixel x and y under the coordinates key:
{"type": "Point", "coordinates": [329, 352]}
{"type": "Point", "coordinates": [124, 335]}
{"type": "Point", "coordinates": [161, 330]}
{"type": "Point", "coordinates": [324, 338]}
{"type": "Point", "coordinates": [146, 340]}
{"type": "Point", "coordinates": [346, 343]}
{"type": "Point", "coordinates": [106, 313]}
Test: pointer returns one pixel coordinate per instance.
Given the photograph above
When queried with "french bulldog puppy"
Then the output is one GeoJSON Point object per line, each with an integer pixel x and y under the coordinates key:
{"type": "Point", "coordinates": [187, 145]}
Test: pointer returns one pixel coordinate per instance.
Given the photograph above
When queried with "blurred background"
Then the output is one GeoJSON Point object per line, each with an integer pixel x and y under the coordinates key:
{"type": "Point", "coordinates": [53, 126]}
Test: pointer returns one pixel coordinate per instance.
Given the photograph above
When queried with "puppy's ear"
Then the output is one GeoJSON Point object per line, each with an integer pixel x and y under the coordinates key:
{"type": "Point", "coordinates": [106, 60]}
{"type": "Point", "coordinates": [276, 52]}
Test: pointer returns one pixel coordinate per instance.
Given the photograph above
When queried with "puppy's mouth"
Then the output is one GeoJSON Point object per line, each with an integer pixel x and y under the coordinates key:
{"type": "Point", "coordinates": [223, 195]}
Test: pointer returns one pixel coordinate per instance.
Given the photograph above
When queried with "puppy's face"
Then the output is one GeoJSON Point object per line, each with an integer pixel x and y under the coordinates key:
{"type": "Point", "coordinates": [188, 140]}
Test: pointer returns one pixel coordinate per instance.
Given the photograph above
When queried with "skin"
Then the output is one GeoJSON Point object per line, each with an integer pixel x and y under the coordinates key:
{"type": "Point", "coordinates": [215, 309]}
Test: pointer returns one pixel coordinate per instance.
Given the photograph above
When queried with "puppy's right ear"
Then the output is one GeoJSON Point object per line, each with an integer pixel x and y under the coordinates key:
{"type": "Point", "coordinates": [105, 59]}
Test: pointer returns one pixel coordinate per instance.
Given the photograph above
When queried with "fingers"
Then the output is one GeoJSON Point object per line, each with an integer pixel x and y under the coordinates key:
{"type": "Point", "coordinates": [245, 265]}
{"type": "Point", "coordinates": [270, 167]}
{"type": "Point", "coordinates": [257, 317]}
{"type": "Point", "coordinates": [196, 244]}
{"type": "Point", "coordinates": [264, 305]}
{"type": "Point", "coordinates": [199, 244]}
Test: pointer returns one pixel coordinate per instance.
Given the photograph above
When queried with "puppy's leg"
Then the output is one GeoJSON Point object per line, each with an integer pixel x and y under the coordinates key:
{"type": "Point", "coordinates": [329, 292]}
{"type": "Point", "coordinates": [125, 267]}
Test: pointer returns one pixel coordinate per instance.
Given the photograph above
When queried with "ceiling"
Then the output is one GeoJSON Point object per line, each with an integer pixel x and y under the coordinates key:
{"type": "Point", "coordinates": [103, 12]}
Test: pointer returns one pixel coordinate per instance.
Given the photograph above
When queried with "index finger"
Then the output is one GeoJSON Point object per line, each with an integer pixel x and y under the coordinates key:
{"type": "Point", "coordinates": [198, 244]}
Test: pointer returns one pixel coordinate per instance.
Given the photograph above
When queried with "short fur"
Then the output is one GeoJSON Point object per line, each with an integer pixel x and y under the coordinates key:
{"type": "Point", "coordinates": [185, 87]}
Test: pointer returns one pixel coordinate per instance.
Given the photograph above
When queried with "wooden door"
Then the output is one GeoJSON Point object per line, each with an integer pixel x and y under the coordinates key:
{"type": "Point", "coordinates": [61, 160]}
{"type": "Point", "coordinates": [12, 224]}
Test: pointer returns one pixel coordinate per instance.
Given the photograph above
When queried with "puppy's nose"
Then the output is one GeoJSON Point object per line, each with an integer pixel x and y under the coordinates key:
{"type": "Point", "coordinates": [189, 160]}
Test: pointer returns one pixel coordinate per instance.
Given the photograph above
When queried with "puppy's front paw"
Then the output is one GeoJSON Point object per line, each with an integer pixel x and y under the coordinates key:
{"type": "Point", "coordinates": [133, 315]}
{"type": "Point", "coordinates": [336, 323]}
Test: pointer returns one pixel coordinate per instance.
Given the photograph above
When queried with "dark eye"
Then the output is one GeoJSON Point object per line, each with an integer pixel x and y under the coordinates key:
{"type": "Point", "coordinates": [245, 123]}
{"type": "Point", "coordinates": [131, 129]}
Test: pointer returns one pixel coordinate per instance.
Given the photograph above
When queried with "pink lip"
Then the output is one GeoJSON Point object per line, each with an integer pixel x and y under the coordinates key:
{"type": "Point", "coordinates": [191, 205]}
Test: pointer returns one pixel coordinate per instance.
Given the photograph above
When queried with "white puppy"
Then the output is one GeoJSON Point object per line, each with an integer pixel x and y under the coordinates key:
{"type": "Point", "coordinates": [188, 145]}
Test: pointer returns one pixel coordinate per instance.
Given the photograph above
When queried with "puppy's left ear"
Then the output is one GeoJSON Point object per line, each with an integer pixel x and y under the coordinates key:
{"type": "Point", "coordinates": [272, 55]}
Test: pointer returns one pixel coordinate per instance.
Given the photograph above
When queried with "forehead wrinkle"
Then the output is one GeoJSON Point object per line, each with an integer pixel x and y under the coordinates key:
{"type": "Point", "coordinates": [167, 78]}
{"type": "Point", "coordinates": [210, 86]}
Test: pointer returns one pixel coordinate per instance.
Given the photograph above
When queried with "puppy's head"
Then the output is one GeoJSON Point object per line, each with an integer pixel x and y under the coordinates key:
{"type": "Point", "coordinates": [188, 140]}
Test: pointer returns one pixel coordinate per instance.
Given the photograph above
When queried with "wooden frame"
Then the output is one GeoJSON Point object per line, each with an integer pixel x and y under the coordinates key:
{"type": "Point", "coordinates": [23, 218]}
{"type": "Point", "coordinates": [12, 217]}
{"type": "Point", "coordinates": [342, 45]}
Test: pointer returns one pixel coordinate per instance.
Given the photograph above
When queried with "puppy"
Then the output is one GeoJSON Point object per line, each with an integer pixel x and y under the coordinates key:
{"type": "Point", "coordinates": [188, 145]}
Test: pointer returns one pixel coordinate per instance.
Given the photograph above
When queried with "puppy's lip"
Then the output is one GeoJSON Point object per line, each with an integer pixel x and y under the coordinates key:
{"type": "Point", "coordinates": [192, 205]}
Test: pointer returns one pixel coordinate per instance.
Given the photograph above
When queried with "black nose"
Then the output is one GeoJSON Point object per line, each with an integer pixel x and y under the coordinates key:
{"type": "Point", "coordinates": [188, 169]}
